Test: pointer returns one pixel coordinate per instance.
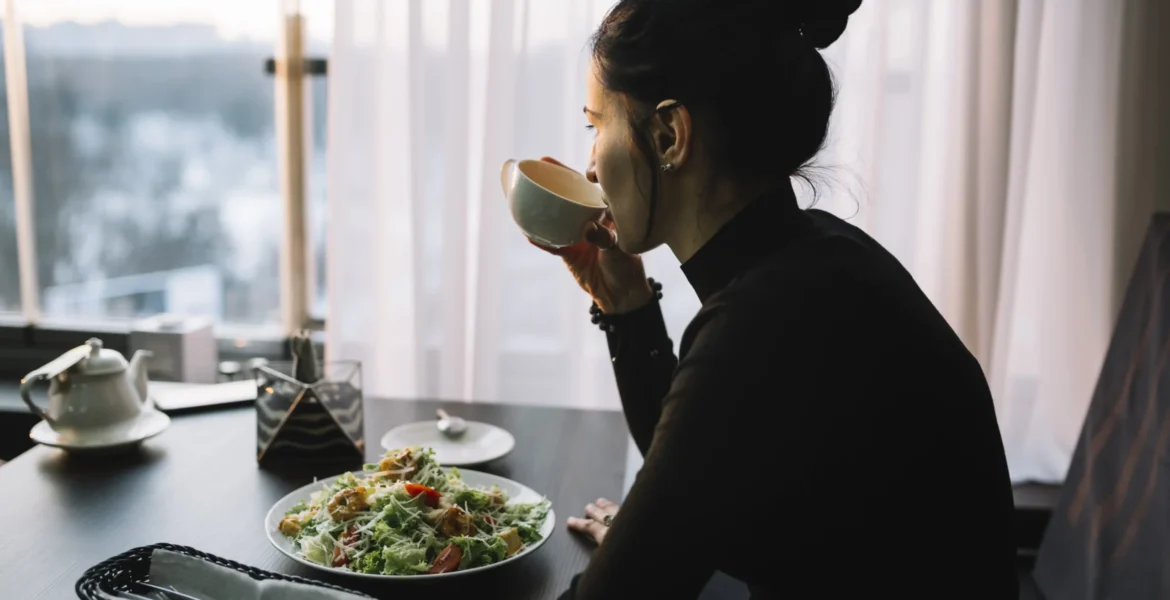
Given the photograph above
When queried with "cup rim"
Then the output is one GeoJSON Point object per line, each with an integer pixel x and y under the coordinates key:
{"type": "Point", "coordinates": [519, 163]}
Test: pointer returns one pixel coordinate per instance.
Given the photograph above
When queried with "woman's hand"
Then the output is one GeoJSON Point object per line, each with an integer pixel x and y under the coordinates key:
{"type": "Point", "coordinates": [596, 525]}
{"type": "Point", "coordinates": [615, 280]}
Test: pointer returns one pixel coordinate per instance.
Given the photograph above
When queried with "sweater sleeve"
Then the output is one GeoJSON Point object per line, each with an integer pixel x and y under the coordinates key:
{"type": "Point", "coordinates": [643, 363]}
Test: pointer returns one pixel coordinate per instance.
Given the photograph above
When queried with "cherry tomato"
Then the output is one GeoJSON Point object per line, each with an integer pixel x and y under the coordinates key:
{"type": "Point", "coordinates": [430, 496]}
{"type": "Point", "coordinates": [448, 560]}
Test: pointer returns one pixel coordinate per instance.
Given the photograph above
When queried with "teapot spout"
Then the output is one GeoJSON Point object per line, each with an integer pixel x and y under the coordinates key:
{"type": "Point", "coordinates": [137, 370]}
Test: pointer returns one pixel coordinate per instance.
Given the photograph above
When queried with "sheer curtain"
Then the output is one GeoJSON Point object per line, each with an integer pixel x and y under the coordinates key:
{"type": "Point", "coordinates": [977, 140]}
{"type": "Point", "coordinates": [430, 282]}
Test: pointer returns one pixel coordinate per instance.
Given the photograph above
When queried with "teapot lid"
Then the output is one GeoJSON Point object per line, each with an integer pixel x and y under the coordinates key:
{"type": "Point", "coordinates": [101, 361]}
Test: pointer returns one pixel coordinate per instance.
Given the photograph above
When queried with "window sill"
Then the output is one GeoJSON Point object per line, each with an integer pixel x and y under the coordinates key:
{"type": "Point", "coordinates": [24, 348]}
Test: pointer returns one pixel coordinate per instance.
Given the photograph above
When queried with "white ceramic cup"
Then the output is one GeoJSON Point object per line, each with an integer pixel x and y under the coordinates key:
{"type": "Point", "coordinates": [550, 203]}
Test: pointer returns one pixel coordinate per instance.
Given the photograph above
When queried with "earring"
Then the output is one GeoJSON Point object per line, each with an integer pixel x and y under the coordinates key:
{"type": "Point", "coordinates": [667, 167]}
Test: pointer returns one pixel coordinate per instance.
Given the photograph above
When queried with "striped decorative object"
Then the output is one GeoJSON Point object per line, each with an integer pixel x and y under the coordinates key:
{"type": "Point", "coordinates": [319, 422]}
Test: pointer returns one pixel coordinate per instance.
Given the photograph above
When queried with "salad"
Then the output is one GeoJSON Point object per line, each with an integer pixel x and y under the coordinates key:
{"type": "Point", "coordinates": [409, 516]}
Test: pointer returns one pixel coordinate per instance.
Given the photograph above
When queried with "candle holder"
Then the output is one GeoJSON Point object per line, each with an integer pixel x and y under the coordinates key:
{"type": "Point", "coordinates": [318, 421]}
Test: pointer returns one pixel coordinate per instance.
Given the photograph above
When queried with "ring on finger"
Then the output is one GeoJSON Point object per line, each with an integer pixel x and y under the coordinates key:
{"type": "Point", "coordinates": [607, 520]}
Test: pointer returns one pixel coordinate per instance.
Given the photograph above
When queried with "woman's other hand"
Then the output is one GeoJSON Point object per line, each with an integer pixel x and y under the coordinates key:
{"type": "Point", "coordinates": [615, 280]}
{"type": "Point", "coordinates": [596, 524]}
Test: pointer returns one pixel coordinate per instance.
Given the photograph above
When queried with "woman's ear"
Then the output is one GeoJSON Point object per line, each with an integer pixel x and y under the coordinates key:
{"type": "Point", "coordinates": [671, 130]}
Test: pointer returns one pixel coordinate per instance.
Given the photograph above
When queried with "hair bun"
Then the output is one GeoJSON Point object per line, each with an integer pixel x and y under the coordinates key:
{"type": "Point", "coordinates": [823, 21]}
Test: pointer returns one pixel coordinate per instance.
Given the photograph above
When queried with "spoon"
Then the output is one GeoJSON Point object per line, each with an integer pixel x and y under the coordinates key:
{"type": "Point", "coordinates": [452, 427]}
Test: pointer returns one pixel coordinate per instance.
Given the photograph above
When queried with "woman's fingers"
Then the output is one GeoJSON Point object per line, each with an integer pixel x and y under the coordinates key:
{"type": "Point", "coordinates": [549, 159]}
{"type": "Point", "coordinates": [600, 235]}
{"type": "Point", "coordinates": [594, 526]}
{"type": "Point", "coordinates": [594, 233]}
{"type": "Point", "coordinates": [589, 527]}
{"type": "Point", "coordinates": [606, 505]}
{"type": "Point", "coordinates": [597, 513]}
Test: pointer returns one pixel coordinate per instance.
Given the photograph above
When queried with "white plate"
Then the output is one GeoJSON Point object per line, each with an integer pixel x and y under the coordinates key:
{"type": "Point", "coordinates": [479, 444]}
{"type": "Point", "coordinates": [517, 494]}
{"type": "Point", "coordinates": [149, 424]}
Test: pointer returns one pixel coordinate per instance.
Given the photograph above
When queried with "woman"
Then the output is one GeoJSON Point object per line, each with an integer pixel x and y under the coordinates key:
{"type": "Point", "coordinates": [823, 432]}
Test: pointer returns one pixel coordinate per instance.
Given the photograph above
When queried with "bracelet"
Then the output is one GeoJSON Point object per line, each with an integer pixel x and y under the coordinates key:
{"type": "Point", "coordinates": [608, 323]}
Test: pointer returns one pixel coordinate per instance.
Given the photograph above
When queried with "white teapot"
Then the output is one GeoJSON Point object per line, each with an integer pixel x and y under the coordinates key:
{"type": "Point", "coordinates": [90, 387]}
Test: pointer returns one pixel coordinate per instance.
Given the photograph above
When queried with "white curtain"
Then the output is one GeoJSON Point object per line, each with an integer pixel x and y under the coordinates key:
{"type": "Point", "coordinates": [430, 283]}
{"type": "Point", "coordinates": [977, 140]}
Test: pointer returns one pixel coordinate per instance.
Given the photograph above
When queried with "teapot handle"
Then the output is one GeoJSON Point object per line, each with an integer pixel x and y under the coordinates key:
{"type": "Point", "coordinates": [26, 386]}
{"type": "Point", "coordinates": [54, 368]}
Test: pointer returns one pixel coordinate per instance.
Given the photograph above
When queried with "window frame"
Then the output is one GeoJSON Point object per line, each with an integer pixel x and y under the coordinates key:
{"type": "Point", "coordinates": [29, 340]}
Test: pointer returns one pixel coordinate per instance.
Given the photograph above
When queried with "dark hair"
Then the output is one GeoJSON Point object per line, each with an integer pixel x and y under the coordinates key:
{"type": "Point", "coordinates": [729, 61]}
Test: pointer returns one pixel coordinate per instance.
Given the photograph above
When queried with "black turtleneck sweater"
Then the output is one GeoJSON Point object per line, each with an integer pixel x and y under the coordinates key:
{"type": "Point", "coordinates": [823, 432]}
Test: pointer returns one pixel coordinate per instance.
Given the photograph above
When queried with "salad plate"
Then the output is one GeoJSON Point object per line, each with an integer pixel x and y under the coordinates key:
{"type": "Point", "coordinates": [409, 518]}
{"type": "Point", "coordinates": [483, 442]}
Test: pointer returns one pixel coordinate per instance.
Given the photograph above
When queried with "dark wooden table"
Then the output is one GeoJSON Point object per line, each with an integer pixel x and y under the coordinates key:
{"type": "Point", "coordinates": [198, 484]}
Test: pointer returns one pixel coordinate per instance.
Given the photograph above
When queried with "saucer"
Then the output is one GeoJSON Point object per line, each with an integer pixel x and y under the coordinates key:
{"type": "Point", "coordinates": [149, 424]}
{"type": "Point", "coordinates": [479, 444]}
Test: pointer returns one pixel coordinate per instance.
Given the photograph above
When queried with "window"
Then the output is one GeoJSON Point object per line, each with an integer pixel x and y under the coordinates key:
{"type": "Point", "coordinates": [319, 22]}
{"type": "Point", "coordinates": [9, 268]}
{"type": "Point", "coordinates": [153, 153]}
{"type": "Point", "coordinates": [155, 162]}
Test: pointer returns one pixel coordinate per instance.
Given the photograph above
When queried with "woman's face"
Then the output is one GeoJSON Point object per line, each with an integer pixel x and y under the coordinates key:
{"type": "Point", "coordinates": [616, 164]}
